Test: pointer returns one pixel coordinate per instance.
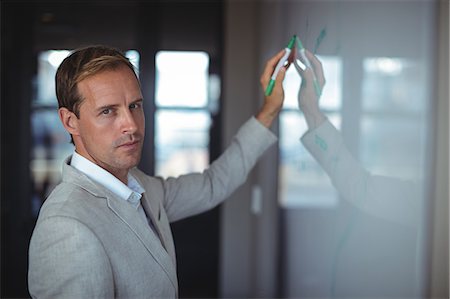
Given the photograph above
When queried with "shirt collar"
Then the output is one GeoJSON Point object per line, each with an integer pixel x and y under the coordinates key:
{"type": "Point", "coordinates": [131, 192]}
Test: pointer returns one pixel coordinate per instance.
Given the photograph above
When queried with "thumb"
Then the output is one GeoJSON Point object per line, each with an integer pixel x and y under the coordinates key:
{"type": "Point", "coordinates": [280, 76]}
{"type": "Point", "coordinates": [308, 76]}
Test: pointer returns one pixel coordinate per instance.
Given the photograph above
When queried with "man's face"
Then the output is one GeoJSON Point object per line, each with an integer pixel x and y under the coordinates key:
{"type": "Point", "coordinates": [111, 125]}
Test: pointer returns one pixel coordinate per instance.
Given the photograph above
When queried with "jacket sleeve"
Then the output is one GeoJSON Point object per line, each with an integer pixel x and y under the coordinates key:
{"type": "Point", "coordinates": [194, 193]}
{"type": "Point", "coordinates": [66, 260]}
{"type": "Point", "coordinates": [387, 197]}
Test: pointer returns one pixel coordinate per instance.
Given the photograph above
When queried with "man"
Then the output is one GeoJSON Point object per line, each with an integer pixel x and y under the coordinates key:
{"type": "Point", "coordinates": [105, 230]}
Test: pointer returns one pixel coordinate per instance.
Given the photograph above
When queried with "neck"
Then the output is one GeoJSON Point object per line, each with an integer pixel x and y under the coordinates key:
{"type": "Point", "coordinates": [123, 178]}
{"type": "Point", "coordinates": [120, 174]}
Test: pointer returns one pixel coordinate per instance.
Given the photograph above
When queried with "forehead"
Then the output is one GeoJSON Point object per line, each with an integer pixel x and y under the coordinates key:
{"type": "Point", "coordinates": [117, 83]}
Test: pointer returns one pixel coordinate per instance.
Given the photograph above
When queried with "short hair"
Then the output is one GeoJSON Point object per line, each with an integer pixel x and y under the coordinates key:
{"type": "Point", "coordinates": [81, 64]}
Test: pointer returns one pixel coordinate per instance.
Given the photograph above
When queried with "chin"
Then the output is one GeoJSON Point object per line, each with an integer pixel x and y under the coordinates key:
{"type": "Point", "coordinates": [134, 162]}
{"type": "Point", "coordinates": [129, 160]}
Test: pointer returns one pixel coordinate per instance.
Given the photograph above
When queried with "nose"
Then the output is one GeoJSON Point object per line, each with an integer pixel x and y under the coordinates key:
{"type": "Point", "coordinates": [129, 123]}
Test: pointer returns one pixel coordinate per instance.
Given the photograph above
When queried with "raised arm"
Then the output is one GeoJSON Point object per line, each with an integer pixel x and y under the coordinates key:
{"type": "Point", "coordinates": [191, 194]}
{"type": "Point", "coordinates": [387, 197]}
{"type": "Point", "coordinates": [308, 99]}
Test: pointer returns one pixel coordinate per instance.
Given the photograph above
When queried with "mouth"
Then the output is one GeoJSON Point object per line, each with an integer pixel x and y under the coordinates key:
{"type": "Point", "coordinates": [130, 145]}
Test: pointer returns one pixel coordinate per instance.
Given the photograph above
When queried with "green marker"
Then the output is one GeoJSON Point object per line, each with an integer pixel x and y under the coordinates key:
{"type": "Point", "coordinates": [280, 64]}
{"type": "Point", "coordinates": [301, 51]}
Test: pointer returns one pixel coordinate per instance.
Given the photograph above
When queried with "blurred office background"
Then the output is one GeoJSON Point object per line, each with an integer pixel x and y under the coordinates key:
{"type": "Point", "coordinates": [287, 232]}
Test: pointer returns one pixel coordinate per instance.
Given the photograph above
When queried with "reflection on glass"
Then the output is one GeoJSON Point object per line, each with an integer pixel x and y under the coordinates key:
{"type": "Point", "coordinates": [184, 95]}
{"type": "Point", "coordinates": [402, 85]}
{"type": "Point", "coordinates": [50, 141]}
{"type": "Point", "coordinates": [331, 98]}
{"type": "Point", "coordinates": [393, 117]}
{"type": "Point", "coordinates": [394, 147]}
{"type": "Point", "coordinates": [302, 183]}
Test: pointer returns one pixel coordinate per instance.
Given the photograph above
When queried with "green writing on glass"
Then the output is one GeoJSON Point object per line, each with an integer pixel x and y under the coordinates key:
{"type": "Point", "coordinates": [321, 143]}
{"type": "Point", "coordinates": [320, 38]}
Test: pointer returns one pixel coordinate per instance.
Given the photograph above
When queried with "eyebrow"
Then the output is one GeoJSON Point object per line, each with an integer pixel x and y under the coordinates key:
{"type": "Point", "coordinates": [101, 108]}
{"type": "Point", "coordinates": [137, 101]}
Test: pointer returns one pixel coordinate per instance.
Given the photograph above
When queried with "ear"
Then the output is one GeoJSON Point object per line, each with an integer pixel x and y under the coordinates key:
{"type": "Point", "coordinates": [69, 120]}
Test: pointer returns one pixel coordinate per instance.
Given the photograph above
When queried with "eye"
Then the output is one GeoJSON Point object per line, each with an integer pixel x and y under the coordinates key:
{"type": "Point", "coordinates": [135, 106]}
{"type": "Point", "coordinates": [106, 111]}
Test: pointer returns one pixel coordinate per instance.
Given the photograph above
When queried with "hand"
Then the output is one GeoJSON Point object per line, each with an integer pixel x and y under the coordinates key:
{"type": "Point", "coordinates": [273, 103]}
{"type": "Point", "coordinates": [308, 99]}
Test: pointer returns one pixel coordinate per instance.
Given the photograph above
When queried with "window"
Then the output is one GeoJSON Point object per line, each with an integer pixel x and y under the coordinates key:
{"type": "Point", "coordinates": [182, 120]}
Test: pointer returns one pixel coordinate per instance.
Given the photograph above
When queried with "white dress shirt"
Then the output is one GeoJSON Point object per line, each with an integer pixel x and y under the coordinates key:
{"type": "Point", "coordinates": [131, 192]}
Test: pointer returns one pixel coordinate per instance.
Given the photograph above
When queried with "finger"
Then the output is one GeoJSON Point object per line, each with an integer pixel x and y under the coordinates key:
{"type": "Point", "coordinates": [270, 67]}
{"type": "Point", "coordinates": [287, 65]}
{"type": "Point", "coordinates": [280, 77]}
{"type": "Point", "coordinates": [306, 73]}
{"type": "Point", "coordinates": [301, 58]}
{"type": "Point", "coordinates": [278, 87]}
{"type": "Point", "coordinates": [274, 60]}
{"type": "Point", "coordinates": [291, 58]}
{"type": "Point", "coordinates": [317, 67]}
{"type": "Point", "coordinates": [299, 69]}
{"type": "Point", "coordinates": [299, 63]}
{"type": "Point", "coordinates": [272, 63]}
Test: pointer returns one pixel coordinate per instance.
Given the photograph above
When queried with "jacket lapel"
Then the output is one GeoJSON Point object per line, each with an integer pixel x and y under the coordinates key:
{"type": "Point", "coordinates": [152, 211]}
{"type": "Point", "coordinates": [127, 213]}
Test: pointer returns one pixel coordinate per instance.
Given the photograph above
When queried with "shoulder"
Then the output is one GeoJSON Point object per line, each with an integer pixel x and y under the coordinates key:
{"type": "Point", "coordinates": [69, 200]}
{"type": "Point", "coordinates": [67, 221]}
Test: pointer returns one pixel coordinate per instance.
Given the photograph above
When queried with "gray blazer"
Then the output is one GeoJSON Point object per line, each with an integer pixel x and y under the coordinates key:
{"type": "Point", "coordinates": [89, 244]}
